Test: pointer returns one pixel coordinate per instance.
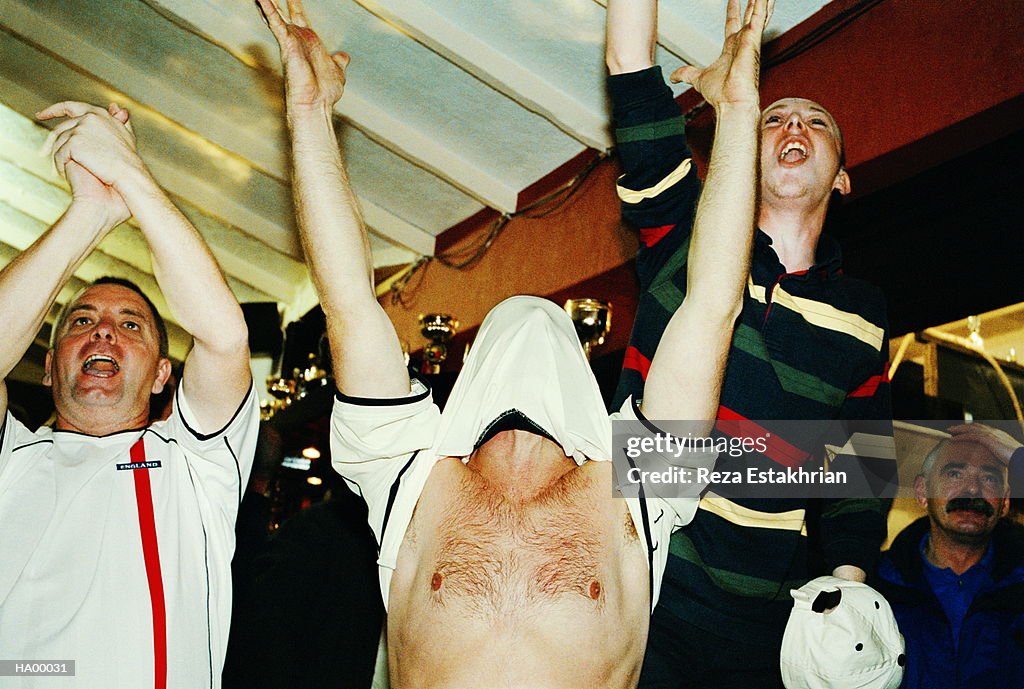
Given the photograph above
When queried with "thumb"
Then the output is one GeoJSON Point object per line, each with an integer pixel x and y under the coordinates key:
{"type": "Point", "coordinates": [688, 74]}
{"type": "Point", "coordinates": [118, 113]}
{"type": "Point", "coordinates": [341, 59]}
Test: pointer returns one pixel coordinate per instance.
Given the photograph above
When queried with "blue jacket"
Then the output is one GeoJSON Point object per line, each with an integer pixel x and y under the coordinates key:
{"type": "Point", "coordinates": [991, 644]}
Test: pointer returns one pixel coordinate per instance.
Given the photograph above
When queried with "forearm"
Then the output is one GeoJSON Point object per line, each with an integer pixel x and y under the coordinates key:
{"type": "Point", "coordinates": [719, 259]}
{"type": "Point", "coordinates": [188, 275]}
{"type": "Point", "coordinates": [631, 35]}
{"type": "Point", "coordinates": [337, 251]}
{"type": "Point", "coordinates": [31, 282]}
{"type": "Point", "coordinates": [693, 351]}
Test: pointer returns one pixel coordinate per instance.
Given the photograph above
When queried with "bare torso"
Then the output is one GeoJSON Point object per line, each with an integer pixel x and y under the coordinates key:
{"type": "Point", "coordinates": [500, 583]}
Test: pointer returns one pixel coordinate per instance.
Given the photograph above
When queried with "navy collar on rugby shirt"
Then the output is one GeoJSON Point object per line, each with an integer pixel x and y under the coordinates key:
{"type": "Point", "coordinates": [767, 268]}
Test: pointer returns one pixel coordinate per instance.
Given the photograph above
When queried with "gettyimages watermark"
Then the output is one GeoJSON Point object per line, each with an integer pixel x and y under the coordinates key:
{"type": "Point", "coordinates": [37, 668]}
{"type": "Point", "coordinates": [799, 459]}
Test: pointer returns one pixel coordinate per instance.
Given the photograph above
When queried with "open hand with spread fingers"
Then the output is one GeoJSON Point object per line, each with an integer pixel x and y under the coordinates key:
{"type": "Point", "coordinates": [313, 77]}
{"type": "Point", "coordinates": [732, 79]}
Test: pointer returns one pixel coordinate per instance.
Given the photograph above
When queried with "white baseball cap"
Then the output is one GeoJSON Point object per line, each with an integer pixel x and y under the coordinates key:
{"type": "Point", "coordinates": [841, 635]}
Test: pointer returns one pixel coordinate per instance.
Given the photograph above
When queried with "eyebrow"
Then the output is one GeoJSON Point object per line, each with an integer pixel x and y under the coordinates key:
{"type": "Point", "coordinates": [128, 311]}
{"type": "Point", "coordinates": [810, 108]}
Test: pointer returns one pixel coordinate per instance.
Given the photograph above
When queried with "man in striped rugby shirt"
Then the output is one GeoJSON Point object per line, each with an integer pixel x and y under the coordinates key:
{"type": "Point", "coordinates": [810, 344]}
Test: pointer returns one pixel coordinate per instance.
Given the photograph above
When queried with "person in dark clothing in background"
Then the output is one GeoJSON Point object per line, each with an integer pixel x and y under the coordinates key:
{"type": "Point", "coordinates": [955, 579]}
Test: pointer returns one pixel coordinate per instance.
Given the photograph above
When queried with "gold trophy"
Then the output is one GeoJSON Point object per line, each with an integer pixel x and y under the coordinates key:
{"type": "Point", "coordinates": [593, 320]}
{"type": "Point", "coordinates": [439, 329]}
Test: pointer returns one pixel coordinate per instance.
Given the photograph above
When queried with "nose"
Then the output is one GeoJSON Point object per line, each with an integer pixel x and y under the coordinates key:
{"type": "Point", "coordinates": [794, 121]}
{"type": "Point", "coordinates": [104, 330]}
{"type": "Point", "coordinates": [973, 485]}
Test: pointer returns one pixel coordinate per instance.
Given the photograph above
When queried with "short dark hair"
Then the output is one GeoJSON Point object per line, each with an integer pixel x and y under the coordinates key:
{"type": "Point", "coordinates": [161, 326]}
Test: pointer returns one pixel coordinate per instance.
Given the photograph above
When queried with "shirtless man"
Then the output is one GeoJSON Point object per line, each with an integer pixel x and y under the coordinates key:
{"type": "Point", "coordinates": [497, 519]}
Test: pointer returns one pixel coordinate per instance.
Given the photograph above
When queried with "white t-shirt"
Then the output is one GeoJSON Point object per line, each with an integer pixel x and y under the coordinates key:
{"type": "Point", "coordinates": [82, 531]}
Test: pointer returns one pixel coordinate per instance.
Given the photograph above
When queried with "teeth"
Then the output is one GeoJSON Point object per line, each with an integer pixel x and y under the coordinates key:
{"type": "Point", "coordinates": [793, 146]}
{"type": "Point", "coordinates": [100, 357]}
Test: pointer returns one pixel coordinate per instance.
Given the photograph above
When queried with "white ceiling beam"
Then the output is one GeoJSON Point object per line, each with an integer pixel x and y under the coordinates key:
{"type": "Point", "coordinates": [476, 56]}
{"type": "Point", "coordinates": [393, 228]}
{"type": "Point", "coordinates": [30, 184]}
{"type": "Point", "coordinates": [178, 121]}
{"type": "Point", "coordinates": [241, 38]}
{"type": "Point", "coordinates": [155, 90]}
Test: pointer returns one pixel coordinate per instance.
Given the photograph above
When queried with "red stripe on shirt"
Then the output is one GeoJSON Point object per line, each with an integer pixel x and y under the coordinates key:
{"type": "Point", "coordinates": [636, 361]}
{"type": "Point", "coordinates": [869, 386]}
{"type": "Point", "coordinates": [649, 236]}
{"type": "Point", "coordinates": [151, 556]}
{"type": "Point", "coordinates": [778, 450]}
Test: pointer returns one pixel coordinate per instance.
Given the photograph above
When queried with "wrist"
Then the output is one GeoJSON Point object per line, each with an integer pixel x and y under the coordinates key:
{"type": "Point", "coordinates": [135, 180]}
{"type": "Point", "coordinates": [92, 217]}
{"type": "Point", "coordinates": [739, 110]}
{"type": "Point", "coordinates": [303, 113]}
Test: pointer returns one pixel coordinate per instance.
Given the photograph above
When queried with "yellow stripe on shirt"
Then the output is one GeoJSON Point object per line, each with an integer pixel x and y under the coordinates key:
{"type": "Point", "coordinates": [633, 197]}
{"type": "Point", "coordinates": [829, 317]}
{"type": "Point", "coordinates": [793, 520]}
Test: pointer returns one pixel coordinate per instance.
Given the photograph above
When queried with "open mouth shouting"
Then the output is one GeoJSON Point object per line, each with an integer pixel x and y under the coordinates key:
{"type": "Point", "coordinates": [793, 151]}
{"type": "Point", "coordinates": [101, 366]}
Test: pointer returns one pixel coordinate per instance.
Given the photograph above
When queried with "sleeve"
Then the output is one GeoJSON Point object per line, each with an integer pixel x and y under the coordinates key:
{"type": "Point", "coordinates": [28, 495]}
{"type": "Point", "coordinates": [658, 187]}
{"type": "Point", "coordinates": [223, 459]}
{"type": "Point", "coordinates": [375, 445]}
{"type": "Point", "coordinates": [1016, 473]}
{"type": "Point", "coordinates": [853, 529]}
{"type": "Point", "coordinates": [662, 488]}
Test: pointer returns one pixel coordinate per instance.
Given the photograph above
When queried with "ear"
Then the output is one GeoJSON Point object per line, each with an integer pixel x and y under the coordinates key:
{"type": "Point", "coordinates": [47, 377]}
{"type": "Point", "coordinates": [1004, 504]}
{"type": "Point", "coordinates": [163, 372]}
{"type": "Point", "coordinates": [842, 182]}
{"type": "Point", "coordinates": [921, 491]}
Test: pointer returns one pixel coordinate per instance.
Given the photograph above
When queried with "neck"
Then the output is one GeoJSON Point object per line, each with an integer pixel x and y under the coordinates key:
{"type": "Point", "coordinates": [522, 464]}
{"type": "Point", "coordinates": [944, 552]}
{"type": "Point", "coordinates": [99, 423]}
{"type": "Point", "coordinates": [795, 228]}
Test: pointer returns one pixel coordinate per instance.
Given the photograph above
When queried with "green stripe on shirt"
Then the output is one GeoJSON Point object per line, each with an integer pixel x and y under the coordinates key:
{"type": "Point", "coordinates": [649, 131]}
{"type": "Point", "coordinates": [733, 582]}
{"type": "Point", "coordinates": [793, 380]}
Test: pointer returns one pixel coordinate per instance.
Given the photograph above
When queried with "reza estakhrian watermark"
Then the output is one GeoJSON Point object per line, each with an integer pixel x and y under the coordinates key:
{"type": "Point", "coordinates": [741, 458]}
{"type": "Point", "coordinates": [755, 459]}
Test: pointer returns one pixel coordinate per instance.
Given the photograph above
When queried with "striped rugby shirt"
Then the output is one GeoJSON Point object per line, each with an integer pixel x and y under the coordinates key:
{"type": "Point", "coordinates": [808, 345]}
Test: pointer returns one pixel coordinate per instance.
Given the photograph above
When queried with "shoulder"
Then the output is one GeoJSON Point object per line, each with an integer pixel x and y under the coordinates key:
{"type": "Point", "coordinates": [902, 560]}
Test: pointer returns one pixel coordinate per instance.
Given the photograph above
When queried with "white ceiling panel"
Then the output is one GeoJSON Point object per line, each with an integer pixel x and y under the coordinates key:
{"type": "Point", "coordinates": [451, 106]}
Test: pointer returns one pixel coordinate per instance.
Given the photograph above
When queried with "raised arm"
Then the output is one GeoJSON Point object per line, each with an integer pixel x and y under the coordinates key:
{"type": "Point", "coordinates": [217, 373]}
{"type": "Point", "coordinates": [31, 282]}
{"type": "Point", "coordinates": [631, 35]}
{"type": "Point", "coordinates": [368, 360]}
{"type": "Point", "coordinates": [685, 378]}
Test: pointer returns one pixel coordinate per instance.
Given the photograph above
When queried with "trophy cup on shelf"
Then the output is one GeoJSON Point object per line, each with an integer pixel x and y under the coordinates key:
{"type": "Point", "coordinates": [593, 320]}
{"type": "Point", "coordinates": [439, 329]}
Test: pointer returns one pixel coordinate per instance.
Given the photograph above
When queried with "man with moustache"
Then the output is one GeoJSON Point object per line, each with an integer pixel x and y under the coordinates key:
{"type": "Point", "coordinates": [955, 579]}
{"type": "Point", "coordinates": [810, 344]}
{"type": "Point", "coordinates": [116, 534]}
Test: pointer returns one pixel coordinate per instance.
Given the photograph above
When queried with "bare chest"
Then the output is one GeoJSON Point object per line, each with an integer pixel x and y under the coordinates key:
{"type": "Point", "coordinates": [479, 547]}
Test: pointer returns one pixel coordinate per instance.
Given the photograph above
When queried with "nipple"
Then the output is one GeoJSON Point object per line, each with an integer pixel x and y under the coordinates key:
{"type": "Point", "coordinates": [595, 589]}
{"type": "Point", "coordinates": [435, 581]}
